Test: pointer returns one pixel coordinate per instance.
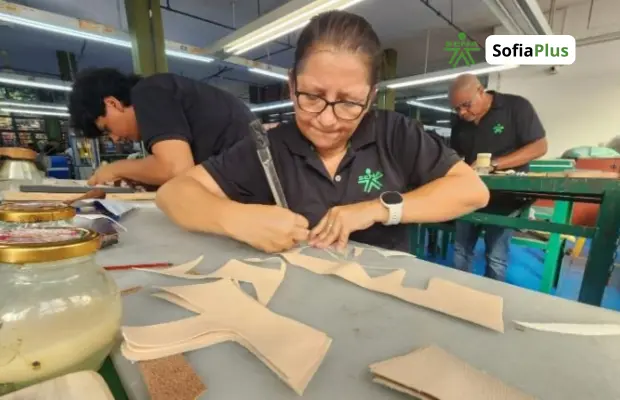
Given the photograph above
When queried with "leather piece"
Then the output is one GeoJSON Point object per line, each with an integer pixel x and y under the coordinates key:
{"type": "Point", "coordinates": [441, 295]}
{"type": "Point", "coordinates": [265, 280]}
{"type": "Point", "coordinates": [292, 350]}
{"type": "Point", "coordinates": [573, 329]}
{"type": "Point", "coordinates": [433, 373]}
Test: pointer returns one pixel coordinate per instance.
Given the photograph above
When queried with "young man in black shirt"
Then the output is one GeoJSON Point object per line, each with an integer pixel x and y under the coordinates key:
{"type": "Point", "coordinates": [182, 122]}
{"type": "Point", "coordinates": [508, 127]}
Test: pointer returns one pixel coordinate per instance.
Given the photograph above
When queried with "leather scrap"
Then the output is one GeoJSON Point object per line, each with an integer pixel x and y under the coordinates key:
{"type": "Point", "coordinates": [432, 373]}
{"type": "Point", "coordinates": [171, 378]}
{"type": "Point", "coordinates": [292, 350]}
{"type": "Point", "coordinates": [446, 297]}
{"type": "Point", "coordinates": [265, 280]}
{"type": "Point", "coordinates": [573, 329]}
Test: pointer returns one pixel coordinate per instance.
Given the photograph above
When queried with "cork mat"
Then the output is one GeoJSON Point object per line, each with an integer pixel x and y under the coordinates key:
{"type": "Point", "coordinates": [441, 295]}
{"type": "Point", "coordinates": [433, 373]}
{"type": "Point", "coordinates": [171, 378]}
{"type": "Point", "coordinates": [292, 350]}
{"type": "Point", "coordinates": [265, 280]}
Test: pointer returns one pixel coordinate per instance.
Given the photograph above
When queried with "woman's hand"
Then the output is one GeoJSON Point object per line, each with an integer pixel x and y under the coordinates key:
{"type": "Point", "coordinates": [271, 229]}
{"type": "Point", "coordinates": [106, 173]}
{"type": "Point", "coordinates": [341, 221]}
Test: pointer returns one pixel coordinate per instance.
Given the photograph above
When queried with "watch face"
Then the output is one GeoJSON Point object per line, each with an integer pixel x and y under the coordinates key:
{"type": "Point", "coordinates": [392, 198]}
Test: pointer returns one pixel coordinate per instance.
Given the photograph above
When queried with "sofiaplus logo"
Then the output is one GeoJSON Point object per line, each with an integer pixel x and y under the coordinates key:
{"type": "Point", "coordinates": [530, 49]}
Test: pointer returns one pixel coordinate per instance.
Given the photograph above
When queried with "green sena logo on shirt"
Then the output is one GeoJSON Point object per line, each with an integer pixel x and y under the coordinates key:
{"type": "Point", "coordinates": [370, 180]}
{"type": "Point", "coordinates": [498, 128]}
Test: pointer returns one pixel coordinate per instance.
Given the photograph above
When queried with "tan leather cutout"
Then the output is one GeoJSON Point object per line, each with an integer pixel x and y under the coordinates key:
{"type": "Point", "coordinates": [444, 296]}
{"type": "Point", "coordinates": [294, 351]}
{"type": "Point", "coordinates": [433, 373]}
{"type": "Point", "coordinates": [265, 280]}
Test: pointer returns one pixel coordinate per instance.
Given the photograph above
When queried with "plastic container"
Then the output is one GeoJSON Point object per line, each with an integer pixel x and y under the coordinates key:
{"type": "Point", "coordinates": [35, 215]}
{"type": "Point", "coordinates": [59, 311]}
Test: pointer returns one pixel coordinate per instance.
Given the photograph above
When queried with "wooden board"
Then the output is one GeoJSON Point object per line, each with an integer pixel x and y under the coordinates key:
{"type": "Point", "coordinates": [77, 386]}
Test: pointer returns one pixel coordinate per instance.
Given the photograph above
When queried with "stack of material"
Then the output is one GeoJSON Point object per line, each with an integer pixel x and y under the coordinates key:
{"type": "Point", "coordinates": [292, 350]}
{"type": "Point", "coordinates": [430, 373]}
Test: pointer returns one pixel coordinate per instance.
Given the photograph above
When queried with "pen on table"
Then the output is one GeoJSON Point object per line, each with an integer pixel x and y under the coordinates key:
{"type": "Point", "coordinates": [131, 266]}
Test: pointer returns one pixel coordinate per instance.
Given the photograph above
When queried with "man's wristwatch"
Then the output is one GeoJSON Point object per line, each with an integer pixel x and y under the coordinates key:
{"type": "Point", "coordinates": [393, 201]}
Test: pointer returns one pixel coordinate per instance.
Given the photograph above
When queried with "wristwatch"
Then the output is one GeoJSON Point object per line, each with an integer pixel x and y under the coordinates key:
{"type": "Point", "coordinates": [494, 165]}
{"type": "Point", "coordinates": [393, 201]}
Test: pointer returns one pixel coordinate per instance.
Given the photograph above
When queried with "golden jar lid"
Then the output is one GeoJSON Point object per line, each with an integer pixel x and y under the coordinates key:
{"type": "Point", "coordinates": [35, 212]}
{"type": "Point", "coordinates": [37, 245]}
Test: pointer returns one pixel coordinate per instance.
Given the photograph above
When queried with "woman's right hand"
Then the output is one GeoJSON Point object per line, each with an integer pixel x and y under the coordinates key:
{"type": "Point", "coordinates": [271, 229]}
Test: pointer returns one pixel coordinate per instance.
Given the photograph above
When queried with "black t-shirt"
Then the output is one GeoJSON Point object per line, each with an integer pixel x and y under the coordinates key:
{"type": "Point", "coordinates": [510, 124]}
{"type": "Point", "coordinates": [387, 152]}
{"type": "Point", "coordinates": [172, 107]}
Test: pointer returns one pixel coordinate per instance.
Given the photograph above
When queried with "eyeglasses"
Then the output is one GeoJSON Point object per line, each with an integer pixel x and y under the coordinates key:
{"type": "Point", "coordinates": [344, 110]}
{"type": "Point", "coordinates": [466, 105]}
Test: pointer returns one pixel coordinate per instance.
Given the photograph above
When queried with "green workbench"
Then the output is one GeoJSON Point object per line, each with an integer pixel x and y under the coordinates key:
{"type": "Point", "coordinates": [564, 191]}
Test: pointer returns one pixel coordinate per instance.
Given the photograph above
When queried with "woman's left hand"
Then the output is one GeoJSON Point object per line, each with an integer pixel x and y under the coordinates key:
{"type": "Point", "coordinates": [341, 221]}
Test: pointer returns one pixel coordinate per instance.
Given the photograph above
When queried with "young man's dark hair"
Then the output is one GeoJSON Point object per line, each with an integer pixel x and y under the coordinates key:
{"type": "Point", "coordinates": [181, 122]}
{"type": "Point", "coordinates": [92, 86]}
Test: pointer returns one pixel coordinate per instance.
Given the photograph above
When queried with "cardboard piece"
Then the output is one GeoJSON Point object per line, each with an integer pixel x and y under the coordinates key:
{"type": "Point", "coordinates": [573, 329]}
{"type": "Point", "coordinates": [171, 378]}
{"type": "Point", "coordinates": [444, 296]}
{"type": "Point", "coordinates": [292, 350]}
{"type": "Point", "coordinates": [265, 280]}
{"type": "Point", "coordinates": [433, 373]}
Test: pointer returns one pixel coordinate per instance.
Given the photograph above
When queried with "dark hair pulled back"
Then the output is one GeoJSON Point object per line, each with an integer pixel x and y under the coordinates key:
{"type": "Point", "coordinates": [340, 30]}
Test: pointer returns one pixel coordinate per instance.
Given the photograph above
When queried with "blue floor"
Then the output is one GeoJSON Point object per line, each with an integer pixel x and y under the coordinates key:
{"type": "Point", "coordinates": [526, 267]}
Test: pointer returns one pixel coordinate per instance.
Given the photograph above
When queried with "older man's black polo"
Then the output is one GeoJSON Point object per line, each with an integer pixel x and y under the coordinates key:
{"type": "Point", "coordinates": [510, 124]}
{"type": "Point", "coordinates": [387, 152]}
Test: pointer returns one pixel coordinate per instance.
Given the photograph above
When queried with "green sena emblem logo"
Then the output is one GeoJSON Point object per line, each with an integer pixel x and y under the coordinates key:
{"type": "Point", "coordinates": [370, 180]}
{"type": "Point", "coordinates": [461, 50]}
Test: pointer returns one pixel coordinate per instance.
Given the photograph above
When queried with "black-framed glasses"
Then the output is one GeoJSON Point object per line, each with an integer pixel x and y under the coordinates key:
{"type": "Point", "coordinates": [343, 109]}
{"type": "Point", "coordinates": [466, 105]}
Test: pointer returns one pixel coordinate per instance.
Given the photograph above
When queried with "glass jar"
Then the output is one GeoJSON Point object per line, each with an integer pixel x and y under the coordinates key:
{"type": "Point", "coordinates": [59, 311]}
{"type": "Point", "coordinates": [35, 215]}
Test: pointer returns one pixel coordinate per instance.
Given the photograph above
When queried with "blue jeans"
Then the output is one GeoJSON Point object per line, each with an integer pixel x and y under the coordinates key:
{"type": "Point", "coordinates": [496, 243]}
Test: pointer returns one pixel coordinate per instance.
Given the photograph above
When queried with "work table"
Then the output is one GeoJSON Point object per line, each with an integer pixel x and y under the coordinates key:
{"type": "Point", "coordinates": [366, 327]}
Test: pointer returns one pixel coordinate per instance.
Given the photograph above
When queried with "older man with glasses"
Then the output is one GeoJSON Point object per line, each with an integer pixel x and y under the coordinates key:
{"type": "Point", "coordinates": [507, 127]}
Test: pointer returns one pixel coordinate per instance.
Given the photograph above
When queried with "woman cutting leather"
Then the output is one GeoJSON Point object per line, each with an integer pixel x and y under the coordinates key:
{"type": "Point", "coordinates": [348, 172]}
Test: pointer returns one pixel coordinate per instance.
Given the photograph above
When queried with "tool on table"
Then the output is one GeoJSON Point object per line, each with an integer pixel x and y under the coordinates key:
{"type": "Point", "coordinates": [266, 160]}
{"type": "Point", "coordinates": [131, 266]}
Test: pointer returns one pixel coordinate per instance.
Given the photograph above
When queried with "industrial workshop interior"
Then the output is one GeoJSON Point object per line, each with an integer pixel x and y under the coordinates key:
{"type": "Point", "coordinates": [319, 199]}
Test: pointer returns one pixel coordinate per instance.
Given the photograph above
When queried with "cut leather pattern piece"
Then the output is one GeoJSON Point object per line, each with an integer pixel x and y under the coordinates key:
{"type": "Point", "coordinates": [171, 378]}
{"type": "Point", "coordinates": [178, 271]}
{"type": "Point", "coordinates": [573, 329]}
{"type": "Point", "coordinates": [444, 296]}
{"type": "Point", "coordinates": [292, 350]}
{"type": "Point", "coordinates": [433, 373]}
{"type": "Point", "coordinates": [265, 280]}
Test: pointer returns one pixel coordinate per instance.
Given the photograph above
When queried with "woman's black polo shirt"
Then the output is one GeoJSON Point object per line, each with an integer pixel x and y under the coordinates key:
{"type": "Point", "coordinates": [388, 152]}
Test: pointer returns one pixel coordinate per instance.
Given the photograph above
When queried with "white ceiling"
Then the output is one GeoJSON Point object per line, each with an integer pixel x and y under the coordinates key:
{"type": "Point", "coordinates": [394, 20]}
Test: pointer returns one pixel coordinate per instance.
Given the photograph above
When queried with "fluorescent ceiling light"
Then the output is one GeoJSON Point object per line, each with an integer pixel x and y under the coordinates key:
{"type": "Point", "coordinates": [34, 84]}
{"type": "Point", "coordinates": [430, 107]}
{"type": "Point", "coordinates": [284, 25]}
{"type": "Point", "coordinates": [446, 75]}
{"type": "Point", "coordinates": [433, 97]}
{"type": "Point", "coordinates": [272, 106]}
{"type": "Point", "coordinates": [268, 73]}
{"type": "Point", "coordinates": [443, 121]}
{"type": "Point", "coordinates": [32, 105]}
{"type": "Point", "coordinates": [34, 112]}
{"type": "Point", "coordinates": [90, 36]}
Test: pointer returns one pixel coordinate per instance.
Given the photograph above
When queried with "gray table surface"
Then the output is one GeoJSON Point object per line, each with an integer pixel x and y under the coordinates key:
{"type": "Point", "coordinates": [366, 327]}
